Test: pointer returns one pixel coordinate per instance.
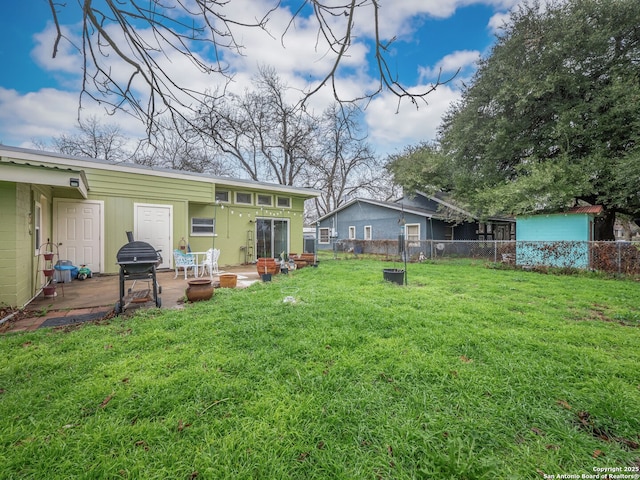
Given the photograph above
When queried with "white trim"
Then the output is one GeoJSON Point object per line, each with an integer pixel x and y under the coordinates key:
{"type": "Point", "coordinates": [9, 153]}
{"type": "Point", "coordinates": [37, 226]}
{"type": "Point", "coordinates": [352, 232]}
{"type": "Point", "coordinates": [265, 195]}
{"type": "Point", "coordinates": [320, 229]}
{"type": "Point", "coordinates": [406, 234]}
{"type": "Point", "coordinates": [368, 236]}
{"type": "Point", "coordinates": [196, 234]}
{"type": "Point", "coordinates": [222, 190]}
{"type": "Point", "coordinates": [100, 203]}
{"type": "Point", "coordinates": [235, 198]}
{"type": "Point", "coordinates": [392, 206]}
{"type": "Point", "coordinates": [164, 253]}
{"type": "Point", "coordinates": [44, 175]}
{"type": "Point", "coordinates": [272, 219]}
{"type": "Point", "coordinates": [278, 197]}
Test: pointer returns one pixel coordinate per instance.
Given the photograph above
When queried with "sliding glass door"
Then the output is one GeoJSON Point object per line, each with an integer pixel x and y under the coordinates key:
{"type": "Point", "coordinates": [272, 237]}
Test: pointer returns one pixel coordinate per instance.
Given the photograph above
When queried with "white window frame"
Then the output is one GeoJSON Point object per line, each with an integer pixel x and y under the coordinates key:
{"type": "Point", "coordinates": [228, 200]}
{"type": "Point", "coordinates": [207, 225]}
{"type": "Point", "coordinates": [244, 203]}
{"type": "Point", "coordinates": [414, 238]}
{"type": "Point", "coordinates": [37, 226]}
{"type": "Point", "coordinates": [352, 232]}
{"type": "Point", "coordinates": [264, 196]}
{"type": "Point", "coordinates": [281, 204]}
{"type": "Point", "coordinates": [324, 232]}
{"type": "Point", "coordinates": [368, 232]}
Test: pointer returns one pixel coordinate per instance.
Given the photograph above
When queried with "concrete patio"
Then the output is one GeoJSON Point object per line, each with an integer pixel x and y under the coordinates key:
{"type": "Point", "coordinates": [95, 298]}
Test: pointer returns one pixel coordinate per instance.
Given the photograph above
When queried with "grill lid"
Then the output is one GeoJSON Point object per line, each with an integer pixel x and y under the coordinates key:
{"type": "Point", "coordinates": [137, 252]}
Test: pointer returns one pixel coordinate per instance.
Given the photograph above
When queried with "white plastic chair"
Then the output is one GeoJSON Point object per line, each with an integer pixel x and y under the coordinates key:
{"type": "Point", "coordinates": [210, 262]}
{"type": "Point", "coordinates": [184, 261]}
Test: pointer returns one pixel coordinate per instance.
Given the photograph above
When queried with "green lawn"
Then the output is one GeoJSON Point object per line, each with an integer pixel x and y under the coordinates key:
{"type": "Point", "coordinates": [467, 372]}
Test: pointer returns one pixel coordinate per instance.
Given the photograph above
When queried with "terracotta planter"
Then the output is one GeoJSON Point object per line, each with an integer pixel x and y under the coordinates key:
{"type": "Point", "coordinates": [199, 289]}
{"type": "Point", "coordinates": [49, 290]}
{"type": "Point", "coordinates": [228, 280]}
{"type": "Point", "coordinates": [307, 257]}
{"type": "Point", "coordinates": [48, 272]}
{"type": "Point", "coordinates": [48, 256]}
{"type": "Point", "coordinates": [267, 265]}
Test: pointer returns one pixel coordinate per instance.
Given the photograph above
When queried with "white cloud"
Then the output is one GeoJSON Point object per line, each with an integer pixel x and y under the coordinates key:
{"type": "Point", "coordinates": [301, 57]}
{"type": "Point", "coordinates": [408, 125]}
{"type": "Point", "coordinates": [47, 113]}
{"type": "Point", "coordinates": [450, 64]}
{"type": "Point", "coordinates": [67, 59]}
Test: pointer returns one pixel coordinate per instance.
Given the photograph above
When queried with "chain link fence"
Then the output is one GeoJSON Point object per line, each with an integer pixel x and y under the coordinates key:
{"type": "Point", "coordinates": [611, 257]}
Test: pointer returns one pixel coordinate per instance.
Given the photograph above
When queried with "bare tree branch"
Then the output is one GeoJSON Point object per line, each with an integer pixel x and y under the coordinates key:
{"type": "Point", "coordinates": [146, 34]}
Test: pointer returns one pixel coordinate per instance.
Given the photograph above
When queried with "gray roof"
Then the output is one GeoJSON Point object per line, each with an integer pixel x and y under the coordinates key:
{"type": "Point", "coordinates": [70, 161]}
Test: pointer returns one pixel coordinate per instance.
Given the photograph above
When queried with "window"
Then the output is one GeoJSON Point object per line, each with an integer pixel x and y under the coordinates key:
{"type": "Point", "coordinates": [37, 226]}
{"type": "Point", "coordinates": [352, 233]}
{"type": "Point", "coordinates": [324, 235]}
{"type": "Point", "coordinates": [448, 233]}
{"type": "Point", "coordinates": [202, 227]}
{"type": "Point", "coordinates": [284, 202]}
{"type": "Point", "coordinates": [222, 196]}
{"type": "Point", "coordinates": [265, 200]}
{"type": "Point", "coordinates": [367, 232]}
{"type": "Point", "coordinates": [412, 232]}
{"type": "Point", "coordinates": [243, 197]}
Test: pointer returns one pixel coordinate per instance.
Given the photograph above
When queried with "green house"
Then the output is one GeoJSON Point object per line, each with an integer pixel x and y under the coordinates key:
{"type": "Point", "coordinates": [85, 207]}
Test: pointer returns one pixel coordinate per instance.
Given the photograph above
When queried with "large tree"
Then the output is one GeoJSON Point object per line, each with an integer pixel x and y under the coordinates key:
{"type": "Point", "coordinates": [552, 115]}
{"type": "Point", "coordinates": [93, 139]}
{"type": "Point", "coordinates": [265, 134]}
{"type": "Point", "coordinates": [344, 163]}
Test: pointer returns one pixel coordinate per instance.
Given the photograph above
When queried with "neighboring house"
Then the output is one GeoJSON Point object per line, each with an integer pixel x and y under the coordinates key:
{"type": "Point", "coordinates": [557, 239]}
{"type": "Point", "coordinates": [86, 206]}
{"type": "Point", "coordinates": [423, 217]}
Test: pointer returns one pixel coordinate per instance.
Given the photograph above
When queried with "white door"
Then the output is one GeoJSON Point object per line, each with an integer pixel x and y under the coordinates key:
{"type": "Point", "coordinates": [153, 225]}
{"type": "Point", "coordinates": [79, 232]}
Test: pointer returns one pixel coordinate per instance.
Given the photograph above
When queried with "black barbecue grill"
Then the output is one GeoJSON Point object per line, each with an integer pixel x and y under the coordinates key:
{"type": "Point", "coordinates": [138, 261]}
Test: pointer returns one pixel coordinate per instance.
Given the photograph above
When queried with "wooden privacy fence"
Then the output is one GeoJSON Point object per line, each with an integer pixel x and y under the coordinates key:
{"type": "Point", "coordinates": [611, 257]}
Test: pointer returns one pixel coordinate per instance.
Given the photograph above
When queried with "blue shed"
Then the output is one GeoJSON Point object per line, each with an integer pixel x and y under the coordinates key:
{"type": "Point", "coordinates": [556, 239]}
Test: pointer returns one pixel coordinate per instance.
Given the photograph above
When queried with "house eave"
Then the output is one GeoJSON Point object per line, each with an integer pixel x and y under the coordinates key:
{"type": "Point", "coordinates": [64, 180]}
{"type": "Point", "coordinates": [35, 157]}
{"type": "Point", "coordinates": [392, 206]}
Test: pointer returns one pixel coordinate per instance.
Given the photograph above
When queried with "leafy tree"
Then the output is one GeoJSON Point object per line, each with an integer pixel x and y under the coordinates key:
{"type": "Point", "coordinates": [552, 115]}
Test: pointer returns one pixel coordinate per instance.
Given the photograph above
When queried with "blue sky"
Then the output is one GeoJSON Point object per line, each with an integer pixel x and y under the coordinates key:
{"type": "Point", "coordinates": [39, 95]}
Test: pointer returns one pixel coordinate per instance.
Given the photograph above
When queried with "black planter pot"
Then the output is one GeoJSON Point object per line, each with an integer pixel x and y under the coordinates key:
{"type": "Point", "coordinates": [266, 277]}
{"type": "Point", "coordinates": [284, 270]}
{"type": "Point", "coordinates": [395, 275]}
